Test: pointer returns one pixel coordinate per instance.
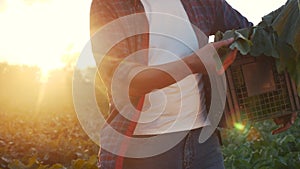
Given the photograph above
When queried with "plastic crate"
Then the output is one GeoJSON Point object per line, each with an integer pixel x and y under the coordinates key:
{"type": "Point", "coordinates": [256, 91]}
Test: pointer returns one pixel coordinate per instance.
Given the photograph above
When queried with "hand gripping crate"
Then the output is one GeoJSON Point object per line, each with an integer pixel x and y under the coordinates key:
{"type": "Point", "coordinates": [256, 91]}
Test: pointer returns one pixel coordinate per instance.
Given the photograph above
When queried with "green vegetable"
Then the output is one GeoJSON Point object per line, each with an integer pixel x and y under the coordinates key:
{"type": "Point", "coordinates": [257, 148]}
{"type": "Point", "coordinates": [277, 35]}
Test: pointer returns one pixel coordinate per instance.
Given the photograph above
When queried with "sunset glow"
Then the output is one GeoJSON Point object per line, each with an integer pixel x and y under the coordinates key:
{"type": "Point", "coordinates": [40, 32]}
{"type": "Point", "coordinates": [54, 101]}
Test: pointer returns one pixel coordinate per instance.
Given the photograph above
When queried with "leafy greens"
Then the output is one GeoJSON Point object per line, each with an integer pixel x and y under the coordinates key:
{"type": "Point", "coordinates": [277, 35]}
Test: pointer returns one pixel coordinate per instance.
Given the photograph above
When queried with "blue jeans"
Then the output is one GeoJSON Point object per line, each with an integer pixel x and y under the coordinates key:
{"type": "Point", "coordinates": [188, 154]}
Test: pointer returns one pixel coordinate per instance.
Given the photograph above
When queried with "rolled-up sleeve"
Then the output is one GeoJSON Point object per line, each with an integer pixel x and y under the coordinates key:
{"type": "Point", "coordinates": [228, 18]}
{"type": "Point", "coordinates": [107, 53]}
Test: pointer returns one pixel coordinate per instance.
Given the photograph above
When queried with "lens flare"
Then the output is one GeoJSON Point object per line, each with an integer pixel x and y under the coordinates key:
{"type": "Point", "coordinates": [239, 126]}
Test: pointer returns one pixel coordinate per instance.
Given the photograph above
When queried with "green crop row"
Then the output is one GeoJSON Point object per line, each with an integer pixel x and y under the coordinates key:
{"type": "Point", "coordinates": [256, 148]}
{"type": "Point", "coordinates": [58, 142]}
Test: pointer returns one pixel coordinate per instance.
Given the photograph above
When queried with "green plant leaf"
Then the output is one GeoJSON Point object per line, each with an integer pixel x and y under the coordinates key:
{"type": "Point", "coordinates": [78, 164]}
{"type": "Point", "coordinates": [16, 164]}
{"type": "Point", "coordinates": [286, 139]}
{"type": "Point", "coordinates": [277, 35]}
{"type": "Point", "coordinates": [57, 166]}
{"type": "Point", "coordinates": [242, 43]}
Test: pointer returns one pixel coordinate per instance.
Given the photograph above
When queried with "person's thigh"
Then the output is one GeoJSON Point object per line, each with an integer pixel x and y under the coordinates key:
{"type": "Point", "coordinates": [171, 159]}
{"type": "Point", "coordinates": [188, 154]}
{"type": "Point", "coordinates": [207, 155]}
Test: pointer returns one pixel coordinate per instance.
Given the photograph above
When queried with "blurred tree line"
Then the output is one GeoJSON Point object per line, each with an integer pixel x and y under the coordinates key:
{"type": "Point", "coordinates": [21, 90]}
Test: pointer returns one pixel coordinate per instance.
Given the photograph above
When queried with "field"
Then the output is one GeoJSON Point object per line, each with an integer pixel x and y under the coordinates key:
{"type": "Point", "coordinates": [59, 142]}
{"type": "Point", "coordinates": [256, 148]}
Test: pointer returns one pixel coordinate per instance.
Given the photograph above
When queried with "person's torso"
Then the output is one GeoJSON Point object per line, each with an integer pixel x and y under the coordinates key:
{"type": "Point", "coordinates": [179, 106]}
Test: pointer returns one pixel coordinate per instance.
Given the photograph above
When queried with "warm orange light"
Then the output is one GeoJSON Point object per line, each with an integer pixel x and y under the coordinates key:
{"type": "Point", "coordinates": [41, 32]}
{"type": "Point", "coordinates": [44, 75]}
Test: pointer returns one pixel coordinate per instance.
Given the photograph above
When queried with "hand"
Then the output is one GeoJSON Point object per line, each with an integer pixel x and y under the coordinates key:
{"type": "Point", "coordinates": [195, 63]}
{"type": "Point", "coordinates": [285, 121]}
{"type": "Point", "coordinates": [230, 57]}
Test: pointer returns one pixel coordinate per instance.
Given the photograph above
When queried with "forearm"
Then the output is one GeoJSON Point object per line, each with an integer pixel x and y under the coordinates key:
{"type": "Point", "coordinates": [142, 79]}
{"type": "Point", "coordinates": [160, 76]}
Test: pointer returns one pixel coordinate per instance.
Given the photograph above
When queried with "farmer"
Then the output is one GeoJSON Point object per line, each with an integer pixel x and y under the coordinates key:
{"type": "Point", "coordinates": [170, 97]}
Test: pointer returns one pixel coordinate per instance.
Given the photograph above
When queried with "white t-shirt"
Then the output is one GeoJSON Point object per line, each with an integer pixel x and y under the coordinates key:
{"type": "Point", "coordinates": [180, 106]}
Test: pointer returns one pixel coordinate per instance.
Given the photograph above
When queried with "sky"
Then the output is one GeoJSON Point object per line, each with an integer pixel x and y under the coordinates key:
{"type": "Point", "coordinates": [41, 32]}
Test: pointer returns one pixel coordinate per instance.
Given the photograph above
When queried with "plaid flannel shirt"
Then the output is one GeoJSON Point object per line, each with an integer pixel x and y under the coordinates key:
{"type": "Point", "coordinates": [207, 15]}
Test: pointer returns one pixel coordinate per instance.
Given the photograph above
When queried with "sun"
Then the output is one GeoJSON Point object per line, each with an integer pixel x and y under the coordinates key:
{"type": "Point", "coordinates": [40, 32]}
{"type": "Point", "coordinates": [45, 72]}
